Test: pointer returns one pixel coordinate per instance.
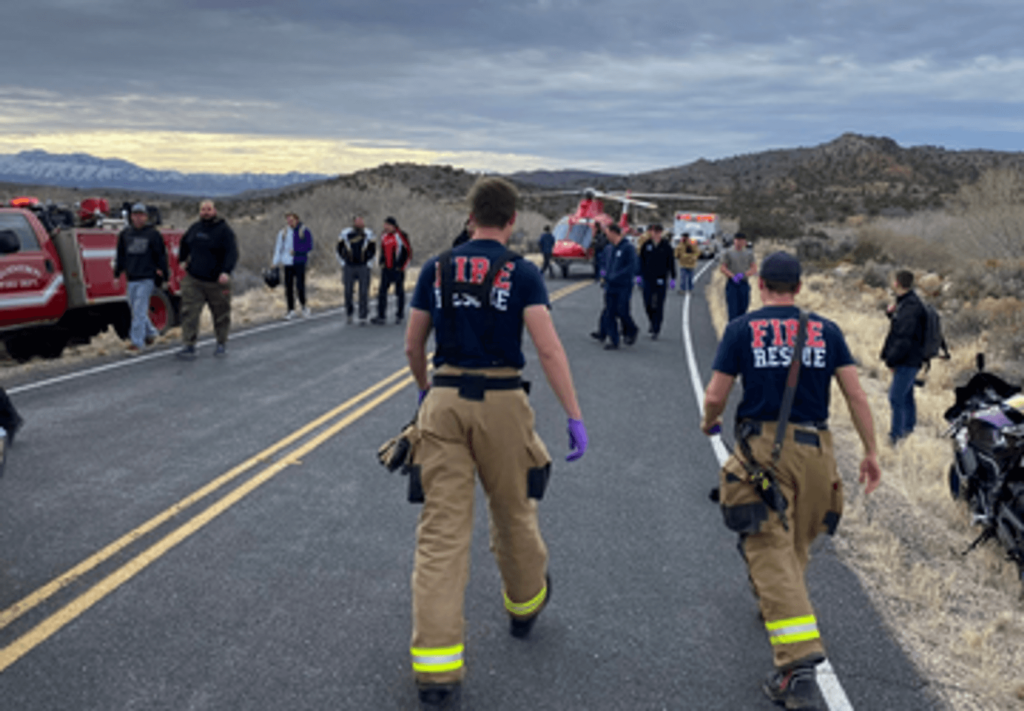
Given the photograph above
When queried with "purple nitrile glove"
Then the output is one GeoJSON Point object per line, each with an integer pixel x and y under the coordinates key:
{"type": "Point", "coordinates": [737, 278]}
{"type": "Point", "coordinates": [604, 273]}
{"type": "Point", "coordinates": [639, 281]}
{"type": "Point", "coordinates": [423, 394]}
{"type": "Point", "coordinates": [577, 440]}
{"type": "Point", "coordinates": [672, 284]}
{"type": "Point", "coordinates": [715, 429]}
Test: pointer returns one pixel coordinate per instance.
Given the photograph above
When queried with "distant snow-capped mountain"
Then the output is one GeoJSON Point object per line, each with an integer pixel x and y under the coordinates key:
{"type": "Point", "coordinates": [80, 170]}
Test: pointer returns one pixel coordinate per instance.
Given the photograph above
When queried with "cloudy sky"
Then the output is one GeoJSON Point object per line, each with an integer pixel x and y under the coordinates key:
{"type": "Point", "coordinates": [333, 86]}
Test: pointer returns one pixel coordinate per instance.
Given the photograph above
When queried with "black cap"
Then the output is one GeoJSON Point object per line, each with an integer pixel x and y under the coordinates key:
{"type": "Point", "coordinates": [656, 226]}
{"type": "Point", "coordinates": [781, 267]}
{"type": "Point", "coordinates": [391, 221]}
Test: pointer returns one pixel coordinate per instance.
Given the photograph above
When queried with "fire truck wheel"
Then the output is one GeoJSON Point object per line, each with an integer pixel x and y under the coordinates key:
{"type": "Point", "coordinates": [20, 348]}
{"type": "Point", "coordinates": [52, 343]}
{"type": "Point", "coordinates": [161, 312]}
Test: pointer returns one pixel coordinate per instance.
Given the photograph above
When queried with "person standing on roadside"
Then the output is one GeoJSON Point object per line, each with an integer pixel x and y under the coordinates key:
{"type": "Point", "coordinates": [291, 251]}
{"type": "Point", "coordinates": [687, 255]}
{"type": "Point", "coordinates": [395, 253]}
{"type": "Point", "coordinates": [475, 415]}
{"type": "Point", "coordinates": [142, 258]}
{"type": "Point", "coordinates": [621, 266]}
{"type": "Point", "coordinates": [465, 235]}
{"type": "Point", "coordinates": [778, 515]}
{"type": "Point", "coordinates": [547, 248]}
{"type": "Point", "coordinates": [208, 253]}
{"type": "Point", "coordinates": [738, 266]}
{"type": "Point", "coordinates": [658, 270]}
{"type": "Point", "coordinates": [356, 248]}
{"type": "Point", "coordinates": [903, 353]}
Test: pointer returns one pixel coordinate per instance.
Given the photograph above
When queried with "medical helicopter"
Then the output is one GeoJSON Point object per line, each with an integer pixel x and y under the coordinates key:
{"type": "Point", "coordinates": [575, 234]}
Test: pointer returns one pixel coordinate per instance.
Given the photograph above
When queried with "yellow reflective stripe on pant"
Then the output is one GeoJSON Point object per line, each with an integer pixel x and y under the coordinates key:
{"type": "Point", "coordinates": [439, 659]}
{"type": "Point", "coordinates": [526, 609]}
{"type": "Point", "coordinates": [792, 630]}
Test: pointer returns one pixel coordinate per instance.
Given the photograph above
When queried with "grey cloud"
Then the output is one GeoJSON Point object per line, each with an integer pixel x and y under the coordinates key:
{"type": "Point", "coordinates": [633, 84]}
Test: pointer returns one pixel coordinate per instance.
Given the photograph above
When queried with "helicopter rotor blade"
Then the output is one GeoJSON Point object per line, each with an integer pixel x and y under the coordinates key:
{"type": "Point", "coordinates": [676, 196]}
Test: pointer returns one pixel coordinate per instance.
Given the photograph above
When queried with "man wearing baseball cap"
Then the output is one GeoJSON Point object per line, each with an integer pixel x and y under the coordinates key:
{"type": "Point", "coordinates": [142, 256]}
{"type": "Point", "coordinates": [798, 466]}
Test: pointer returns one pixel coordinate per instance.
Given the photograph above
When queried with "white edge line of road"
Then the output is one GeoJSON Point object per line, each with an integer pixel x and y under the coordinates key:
{"type": "Point", "coordinates": [163, 353]}
{"type": "Point", "coordinates": [828, 680]}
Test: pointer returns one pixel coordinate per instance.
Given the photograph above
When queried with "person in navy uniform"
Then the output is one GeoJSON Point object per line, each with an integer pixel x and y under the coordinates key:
{"type": "Point", "coordinates": [474, 415]}
{"type": "Point", "coordinates": [757, 348]}
{"type": "Point", "coordinates": [658, 271]}
{"type": "Point", "coordinates": [621, 267]}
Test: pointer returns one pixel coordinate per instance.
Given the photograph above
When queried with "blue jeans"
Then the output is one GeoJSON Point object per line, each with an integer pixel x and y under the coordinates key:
{"type": "Point", "coordinates": [901, 399]}
{"type": "Point", "coordinates": [685, 279]}
{"type": "Point", "coordinates": [138, 300]}
{"type": "Point", "coordinates": [616, 310]}
{"type": "Point", "coordinates": [737, 298]}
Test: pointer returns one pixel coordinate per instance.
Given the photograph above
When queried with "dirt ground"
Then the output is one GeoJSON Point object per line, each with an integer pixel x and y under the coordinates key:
{"type": "Point", "coordinates": [959, 618]}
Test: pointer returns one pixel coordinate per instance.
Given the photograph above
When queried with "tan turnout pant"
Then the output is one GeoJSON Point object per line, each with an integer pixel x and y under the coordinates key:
{"type": "Point", "coordinates": [494, 437]}
{"type": "Point", "coordinates": [777, 558]}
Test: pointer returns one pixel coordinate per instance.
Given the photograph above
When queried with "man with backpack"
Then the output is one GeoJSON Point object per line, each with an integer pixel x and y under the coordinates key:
{"type": "Point", "coordinates": [904, 353]}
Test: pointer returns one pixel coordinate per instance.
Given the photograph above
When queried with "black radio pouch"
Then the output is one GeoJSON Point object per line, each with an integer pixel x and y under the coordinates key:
{"type": "Point", "coordinates": [537, 481]}
{"type": "Point", "coordinates": [415, 483]}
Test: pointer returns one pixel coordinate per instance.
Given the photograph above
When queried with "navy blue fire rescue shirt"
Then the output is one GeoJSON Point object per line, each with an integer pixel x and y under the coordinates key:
{"type": "Point", "coordinates": [484, 341]}
{"type": "Point", "coordinates": [758, 347]}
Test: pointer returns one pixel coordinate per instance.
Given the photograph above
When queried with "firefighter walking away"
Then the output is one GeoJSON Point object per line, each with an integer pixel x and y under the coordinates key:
{"type": "Point", "coordinates": [475, 416]}
{"type": "Point", "coordinates": [781, 487]}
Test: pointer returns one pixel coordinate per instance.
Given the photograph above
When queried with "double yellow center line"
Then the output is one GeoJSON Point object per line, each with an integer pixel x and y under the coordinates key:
{"type": "Point", "coordinates": [369, 399]}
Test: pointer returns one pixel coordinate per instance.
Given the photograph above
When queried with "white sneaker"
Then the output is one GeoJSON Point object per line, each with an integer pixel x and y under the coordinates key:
{"type": "Point", "coordinates": [289, 316]}
{"type": "Point", "coordinates": [306, 313]}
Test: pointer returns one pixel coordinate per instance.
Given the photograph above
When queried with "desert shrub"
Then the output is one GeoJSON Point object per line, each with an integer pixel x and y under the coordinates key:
{"type": "Point", "coordinates": [902, 249]}
{"type": "Point", "coordinates": [992, 214]}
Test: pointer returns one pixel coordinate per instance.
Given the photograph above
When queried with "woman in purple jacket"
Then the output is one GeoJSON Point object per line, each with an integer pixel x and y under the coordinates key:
{"type": "Point", "coordinates": [294, 243]}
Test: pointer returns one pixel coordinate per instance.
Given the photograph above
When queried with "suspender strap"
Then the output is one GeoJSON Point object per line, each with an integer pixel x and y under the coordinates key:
{"type": "Point", "coordinates": [791, 381]}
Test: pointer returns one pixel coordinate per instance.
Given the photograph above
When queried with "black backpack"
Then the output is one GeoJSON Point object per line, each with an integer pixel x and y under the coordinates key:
{"type": "Point", "coordinates": [934, 343]}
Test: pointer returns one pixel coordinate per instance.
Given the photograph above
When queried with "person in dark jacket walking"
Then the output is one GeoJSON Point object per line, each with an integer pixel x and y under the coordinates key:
{"type": "Point", "coordinates": [600, 241]}
{"type": "Point", "coordinates": [142, 258]}
{"type": "Point", "coordinates": [658, 270]}
{"type": "Point", "coordinates": [903, 353]}
{"type": "Point", "coordinates": [547, 248]}
{"type": "Point", "coordinates": [621, 267]}
{"type": "Point", "coordinates": [209, 254]}
{"type": "Point", "coordinates": [356, 248]}
{"type": "Point", "coordinates": [10, 420]}
{"type": "Point", "coordinates": [395, 253]}
{"type": "Point", "coordinates": [294, 243]}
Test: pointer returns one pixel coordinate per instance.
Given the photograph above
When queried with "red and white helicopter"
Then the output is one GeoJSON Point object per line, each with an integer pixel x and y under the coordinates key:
{"type": "Point", "coordinates": [575, 233]}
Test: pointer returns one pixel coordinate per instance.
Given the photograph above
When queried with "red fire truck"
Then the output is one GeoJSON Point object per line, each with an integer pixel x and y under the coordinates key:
{"type": "Point", "coordinates": [57, 283]}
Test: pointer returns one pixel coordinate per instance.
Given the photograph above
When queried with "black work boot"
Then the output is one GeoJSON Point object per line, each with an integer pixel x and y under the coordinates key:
{"type": "Point", "coordinates": [796, 688]}
{"type": "Point", "coordinates": [440, 697]}
{"type": "Point", "coordinates": [520, 627]}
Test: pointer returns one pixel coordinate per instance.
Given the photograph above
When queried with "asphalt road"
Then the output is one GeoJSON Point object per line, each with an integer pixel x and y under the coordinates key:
{"type": "Point", "coordinates": [162, 548]}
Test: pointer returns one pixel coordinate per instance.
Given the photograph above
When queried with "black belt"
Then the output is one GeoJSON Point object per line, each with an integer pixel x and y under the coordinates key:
{"type": "Point", "coordinates": [754, 427]}
{"type": "Point", "coordinates": [473, 387]}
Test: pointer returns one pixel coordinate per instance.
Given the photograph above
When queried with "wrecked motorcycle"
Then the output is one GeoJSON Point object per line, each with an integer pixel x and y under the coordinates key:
{"type": "Point", "coordinates": [987, 429]}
